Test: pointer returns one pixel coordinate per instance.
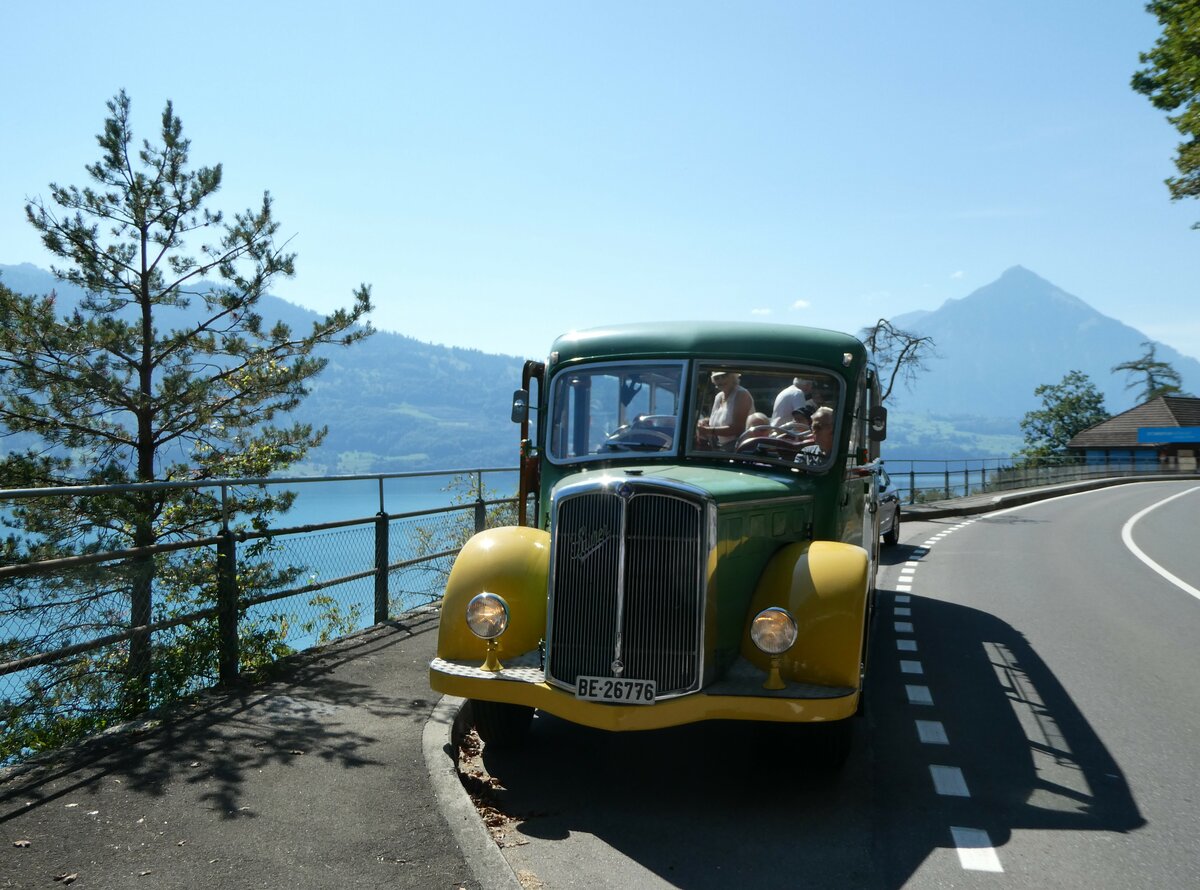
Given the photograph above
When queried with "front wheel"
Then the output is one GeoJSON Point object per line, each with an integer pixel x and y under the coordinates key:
{"type": "Point", "coordinates": [892, 535]}
{"type": "Point", "coordinates": [501, 725]}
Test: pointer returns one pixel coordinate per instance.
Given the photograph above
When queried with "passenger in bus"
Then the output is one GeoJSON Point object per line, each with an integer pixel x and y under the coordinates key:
{"type": "Point", "coordinates": [732, 407]}
{"type": "Point", "coordinates": [757, 419]}
{"type": "Point", "coordinates": [822, 446]}
{"type": "Point", "coordinates": [795, 403]}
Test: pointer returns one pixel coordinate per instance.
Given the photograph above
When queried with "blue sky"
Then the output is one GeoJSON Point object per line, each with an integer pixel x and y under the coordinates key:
{"type": "Point", "coordinates": [504, 172]}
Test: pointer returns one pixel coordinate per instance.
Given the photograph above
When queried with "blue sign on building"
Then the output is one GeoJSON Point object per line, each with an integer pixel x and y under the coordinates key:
{"type": "Point", "coordinates": [1157, 435]}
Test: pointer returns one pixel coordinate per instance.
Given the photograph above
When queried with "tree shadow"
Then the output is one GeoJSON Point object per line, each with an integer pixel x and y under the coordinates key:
{"type": "Point", "coordinates": [218, 739]}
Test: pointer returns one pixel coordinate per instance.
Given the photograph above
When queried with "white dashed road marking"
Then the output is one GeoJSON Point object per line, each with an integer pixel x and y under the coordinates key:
{"type": "Point", "coordinates": [919, 695]}
{"type": "Point", "coordinates": [975, 850]}
{"type": "Point", "coordinates": [931, 732]}
{"type": "Point", "coordinates": [948, 781]}
{"type": "Point", "coordinates": [973, 845]}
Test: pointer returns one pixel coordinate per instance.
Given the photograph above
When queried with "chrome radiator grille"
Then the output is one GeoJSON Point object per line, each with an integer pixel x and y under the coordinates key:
{"type": "Point", "coordinates": [627, 589]}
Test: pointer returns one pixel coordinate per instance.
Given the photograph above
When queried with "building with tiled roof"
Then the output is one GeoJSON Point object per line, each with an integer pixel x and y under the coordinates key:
{"type": "Point", "coordinates": [1163, 431]}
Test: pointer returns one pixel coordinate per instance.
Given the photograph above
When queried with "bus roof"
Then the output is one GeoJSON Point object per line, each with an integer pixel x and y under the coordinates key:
{"type": "Point", "coordinates": [715, 340]}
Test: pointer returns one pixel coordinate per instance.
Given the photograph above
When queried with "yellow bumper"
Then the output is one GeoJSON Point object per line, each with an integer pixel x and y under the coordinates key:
{"type": "Point", "coordinates": [521, 682]}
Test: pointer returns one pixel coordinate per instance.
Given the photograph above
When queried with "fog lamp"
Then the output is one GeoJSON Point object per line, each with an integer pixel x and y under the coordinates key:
{"type": "Point", "coordinates": [773, 630]}
{"type": "Point", "coordinates": [487, 615]}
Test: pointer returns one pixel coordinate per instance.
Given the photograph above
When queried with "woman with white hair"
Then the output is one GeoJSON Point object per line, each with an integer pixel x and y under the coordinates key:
{"type": "Point", "coordinates": [732, 407]}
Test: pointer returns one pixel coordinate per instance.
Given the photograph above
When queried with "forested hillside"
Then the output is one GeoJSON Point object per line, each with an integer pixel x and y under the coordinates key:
{"type": "Point", "coordinates": [391, 403]}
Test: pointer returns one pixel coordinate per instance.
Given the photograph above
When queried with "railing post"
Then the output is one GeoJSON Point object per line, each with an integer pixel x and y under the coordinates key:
{"type": "Point", "coordinates": [947, 481]}
{"type": "Point", "coordinates": [227, 605]}
{"type": "Point", "coordinates": [381, 567]}
{"type": "Point", "coordinates": [912, 485]}
{"type": "Point", "coordinates": [480, 506]}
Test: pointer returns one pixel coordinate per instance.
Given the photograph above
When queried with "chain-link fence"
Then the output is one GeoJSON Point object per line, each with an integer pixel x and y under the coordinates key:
{"type": "Point", "coordinates": [94, 637]}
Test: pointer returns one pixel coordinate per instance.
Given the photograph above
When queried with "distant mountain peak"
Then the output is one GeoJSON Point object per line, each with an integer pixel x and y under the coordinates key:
{"type": "Point", "coordinates": [1019, 277]}
{"type": "Point", "coordinates": [1001, 341]}
{"type": "Point", "coordinates": [1019, 289]}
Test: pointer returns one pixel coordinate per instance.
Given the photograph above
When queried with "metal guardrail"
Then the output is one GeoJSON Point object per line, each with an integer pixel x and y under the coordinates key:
{"type": "Point", "coordinates": [229, 600]}
{"type": "Point", "coordinates": [354, 571]}
{"type": "Point", "coordinates": [345, 574]}
{"type": "Point", "coordinates": [924, 481]}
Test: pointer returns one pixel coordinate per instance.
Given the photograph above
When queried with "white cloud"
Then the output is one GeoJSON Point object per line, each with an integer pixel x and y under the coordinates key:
{"type": "Point", "coordinates": [760, 311]}
{"type": "Point", "coordinates": [801, 304]}
{"type": "Point", "coordinates": [957, 275]}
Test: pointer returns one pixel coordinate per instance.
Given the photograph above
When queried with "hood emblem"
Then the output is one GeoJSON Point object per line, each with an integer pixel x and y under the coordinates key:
{"type": "Point", "coordinates": [585, 542]}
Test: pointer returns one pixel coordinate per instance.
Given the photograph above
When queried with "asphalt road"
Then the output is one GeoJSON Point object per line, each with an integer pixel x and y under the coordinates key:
{"type": "Point", "coordinates": [1033, 720]}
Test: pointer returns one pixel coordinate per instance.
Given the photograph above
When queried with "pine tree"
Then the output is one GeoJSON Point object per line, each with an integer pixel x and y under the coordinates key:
{"type": "Point", "coordinates": [1157, 378]}
{"type": "Point", "coordinates": [1169, 81]}
{"type": "Point", "coordinates": [165, 371]}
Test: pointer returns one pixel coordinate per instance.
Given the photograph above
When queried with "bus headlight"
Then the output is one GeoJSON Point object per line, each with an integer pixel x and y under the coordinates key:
{"type": "Point", "coordinates": [773, 630]}
{"type": "Point", "coordinates": [487, 615]}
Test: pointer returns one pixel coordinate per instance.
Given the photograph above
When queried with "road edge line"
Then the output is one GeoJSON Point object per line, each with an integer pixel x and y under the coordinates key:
{"type": "Point", "coordinates": [1127, 539]}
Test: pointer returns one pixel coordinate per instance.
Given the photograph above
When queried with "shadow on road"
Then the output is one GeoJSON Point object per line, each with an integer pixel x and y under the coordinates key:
{"type": "Point", "coordinates": [709, 805]}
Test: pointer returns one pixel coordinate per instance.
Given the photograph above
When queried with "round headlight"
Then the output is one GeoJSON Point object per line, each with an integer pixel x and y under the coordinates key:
{"type": "Point", "coordinates": [487, 615]}
{"type": "Point", "coordinates": [773, 630]}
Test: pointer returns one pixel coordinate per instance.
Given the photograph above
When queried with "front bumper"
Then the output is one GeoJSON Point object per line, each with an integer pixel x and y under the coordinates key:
{"type": "Point", "coordinates": [736, 696]}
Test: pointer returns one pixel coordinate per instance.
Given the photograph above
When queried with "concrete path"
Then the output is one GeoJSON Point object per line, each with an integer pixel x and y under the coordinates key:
{"type": "Point", "coordinates": [317, 779]}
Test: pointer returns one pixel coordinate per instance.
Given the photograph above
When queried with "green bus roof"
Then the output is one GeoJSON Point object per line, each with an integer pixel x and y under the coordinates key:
{"type": "Point", "coordinates": [716, 340]}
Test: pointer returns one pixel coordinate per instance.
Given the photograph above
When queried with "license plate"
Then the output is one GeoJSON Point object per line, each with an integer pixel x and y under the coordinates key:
{"type": "Point", "coordinates": [615, 691]}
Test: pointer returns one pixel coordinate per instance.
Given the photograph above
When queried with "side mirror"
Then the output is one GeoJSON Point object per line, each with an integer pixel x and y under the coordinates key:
{"type": "Point", "coordinates": [520, 406]}
{"type": "Point", "coordinates": [877, 421]}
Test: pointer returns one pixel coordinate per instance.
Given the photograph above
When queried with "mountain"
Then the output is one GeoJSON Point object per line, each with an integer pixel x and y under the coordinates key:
{"type": "Point", "coordinates": [994, 347]}
{"type": "Point", "coordinates": [391, 403]}
{"type": "Point", "coordinates": [1000, 342]}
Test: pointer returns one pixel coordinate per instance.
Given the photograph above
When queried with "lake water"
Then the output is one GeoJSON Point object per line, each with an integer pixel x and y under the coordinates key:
{"type": "Point", "coordinates": [336, 553]}
{"type": "Point", "coordinates": [331, 554]}
{"type": "Point", "coordinates": [330, 501]}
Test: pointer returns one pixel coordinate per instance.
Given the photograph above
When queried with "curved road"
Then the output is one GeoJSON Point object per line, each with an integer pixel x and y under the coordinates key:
{"type": "Point", "coordinates": [1033, 719]}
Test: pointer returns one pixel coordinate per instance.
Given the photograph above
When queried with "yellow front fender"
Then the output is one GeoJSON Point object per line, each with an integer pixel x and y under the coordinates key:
{"type": "Point", "coordinates": [824, 585]}
{"type": "Point", "coordinates": [512, 562]}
